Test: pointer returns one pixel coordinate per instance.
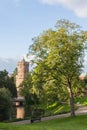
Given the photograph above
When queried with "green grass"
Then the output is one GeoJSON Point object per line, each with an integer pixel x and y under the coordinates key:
{"type": "Point", "coordinates": [76, 123]}
{"type": "Point", "coordinates": [55, 108]}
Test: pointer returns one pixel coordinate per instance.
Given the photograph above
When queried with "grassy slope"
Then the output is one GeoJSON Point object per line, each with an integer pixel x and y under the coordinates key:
{"type": "Point", "coordinates": [55, 109]}
{"type": "Point", "coordinates": [76, 123]}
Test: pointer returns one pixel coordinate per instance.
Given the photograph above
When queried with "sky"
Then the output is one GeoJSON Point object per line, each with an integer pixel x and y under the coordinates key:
{"type": "Point", "coordinates": [22, 20]}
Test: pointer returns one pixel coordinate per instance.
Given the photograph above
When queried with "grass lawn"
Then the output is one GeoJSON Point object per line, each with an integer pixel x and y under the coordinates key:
{"type": "Point", "coordinates": [76, 123]}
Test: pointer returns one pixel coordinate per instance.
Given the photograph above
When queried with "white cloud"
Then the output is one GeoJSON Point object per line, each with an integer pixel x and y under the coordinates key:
{"type": "Point", "coordinates": [29, 58]}
{"type": "Point", "coordinates": [78, 6]}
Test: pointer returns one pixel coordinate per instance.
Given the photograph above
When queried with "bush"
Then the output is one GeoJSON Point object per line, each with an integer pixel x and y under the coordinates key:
{"type": "Point", "coordinates": [81, 100]}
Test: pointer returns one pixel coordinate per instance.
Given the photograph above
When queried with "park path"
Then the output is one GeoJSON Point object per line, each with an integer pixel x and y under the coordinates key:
{"type": "Point", "coordinates": [81, 110]}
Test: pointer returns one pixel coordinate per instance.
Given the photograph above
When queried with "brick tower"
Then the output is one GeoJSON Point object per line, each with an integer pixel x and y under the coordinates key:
{"type": "Point", "coordinates": [23, 68]}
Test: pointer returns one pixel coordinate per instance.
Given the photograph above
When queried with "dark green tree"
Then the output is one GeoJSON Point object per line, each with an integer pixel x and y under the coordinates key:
{"type": "Point", "coordinates": [7, 82]}
{"type": "Point", "coordinates": [5, 104]}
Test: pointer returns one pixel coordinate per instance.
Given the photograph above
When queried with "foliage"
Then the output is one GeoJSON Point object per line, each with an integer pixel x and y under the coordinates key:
{"type": "Point", "coordinates": [85, 79]}
{"type": "Point", "coordinates": [55, 108]}
{"type": "Point", "coordinates": [7, 82]}
{"type": "Point", "coordinates": [27, 90]}
{"type": "Point", "coordinates": [14, 74]}
{"type": "Point", "coordinates": [5, 104]}
{"type": "Point", "coordinates": [31, 99]}
{"type": "Point", "coordinates": [59, 63]}
{"type": "Point", "coordinates": [26, 85]}
{"type": "Point", "coordinates": [81, 100]}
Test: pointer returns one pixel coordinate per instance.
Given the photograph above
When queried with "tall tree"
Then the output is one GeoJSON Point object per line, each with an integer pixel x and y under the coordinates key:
{"type": "Point", "coordinates": [60, 54]}
{"type": "Point", "coordinates": [7, 82]}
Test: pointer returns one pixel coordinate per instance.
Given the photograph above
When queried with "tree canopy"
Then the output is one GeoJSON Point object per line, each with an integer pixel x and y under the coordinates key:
{"type": "Point", "coordinates": [7, 82]}
{"type": "Point", "coordinates": [59, 56]}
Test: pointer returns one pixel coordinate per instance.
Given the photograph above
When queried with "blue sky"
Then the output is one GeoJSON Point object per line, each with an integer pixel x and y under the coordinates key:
{"type": "Point", "coordinates": [21, 20]}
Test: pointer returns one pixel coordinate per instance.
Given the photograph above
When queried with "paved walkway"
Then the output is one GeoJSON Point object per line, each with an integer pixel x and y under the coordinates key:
{"type": "Point", "coordinates": [79, 111]}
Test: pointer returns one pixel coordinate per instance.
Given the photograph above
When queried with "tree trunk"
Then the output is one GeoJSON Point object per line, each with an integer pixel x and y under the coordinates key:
{"type": "Point", "coordinates": [71, 99]}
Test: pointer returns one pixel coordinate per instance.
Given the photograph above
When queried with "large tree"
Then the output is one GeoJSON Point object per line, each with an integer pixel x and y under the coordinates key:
{"type": "Point", "coordinates": [8, 82]}
{"type": "Point", "coordinates": [60, 54]}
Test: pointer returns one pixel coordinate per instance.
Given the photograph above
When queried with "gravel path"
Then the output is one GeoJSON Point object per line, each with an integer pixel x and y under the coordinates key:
{"type": "Point", "coordinates": [79, 111]}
